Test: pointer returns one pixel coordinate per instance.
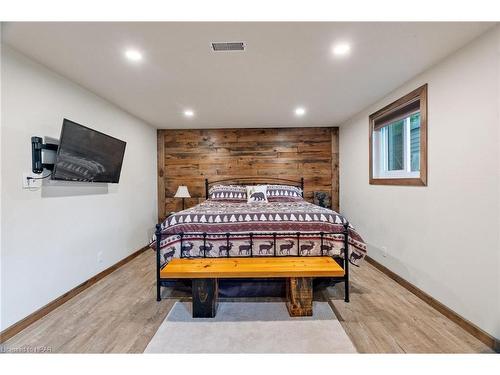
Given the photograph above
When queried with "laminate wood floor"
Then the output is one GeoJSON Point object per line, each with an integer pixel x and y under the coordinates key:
{"type": "Point", "coordinates": [120, 314]}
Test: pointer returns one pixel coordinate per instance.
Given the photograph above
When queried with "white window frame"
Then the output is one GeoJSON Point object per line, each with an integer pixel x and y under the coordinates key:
{"type": "Point", "coordinates": [415, 100]}
{"type": "Point", "coordinates": [381, 154]}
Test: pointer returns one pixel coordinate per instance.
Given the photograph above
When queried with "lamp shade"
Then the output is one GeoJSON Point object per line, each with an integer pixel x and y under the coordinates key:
{"type": "Point", "coordinates": [182, 192]}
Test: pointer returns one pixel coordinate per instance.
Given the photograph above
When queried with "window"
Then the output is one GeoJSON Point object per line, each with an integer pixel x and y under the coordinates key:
{"type": "Point", "coordinates": [398, 141]}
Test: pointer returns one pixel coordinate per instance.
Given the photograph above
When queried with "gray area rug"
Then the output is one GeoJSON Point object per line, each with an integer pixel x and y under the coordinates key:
{"type": "Point", "coordinates": [251, 327]}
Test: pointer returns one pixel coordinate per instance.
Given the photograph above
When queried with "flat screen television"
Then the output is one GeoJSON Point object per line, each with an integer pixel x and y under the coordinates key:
{"type": "Point", "coordinates": [87, 155]}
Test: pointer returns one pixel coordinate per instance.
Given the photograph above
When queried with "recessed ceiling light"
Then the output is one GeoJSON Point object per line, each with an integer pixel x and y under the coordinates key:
{"type": "Point", "coordinates": [300, 111]}
{"type": "Point", "coordinates": [133, 55]}
{"type": "Point", "coordinates": [341, 49]}
{"type": "Point", "coordinates": [189, 113]}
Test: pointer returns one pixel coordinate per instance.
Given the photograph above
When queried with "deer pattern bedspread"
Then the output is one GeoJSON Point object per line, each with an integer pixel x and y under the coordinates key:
{"type": "Point", "coordinates": [218, 218]}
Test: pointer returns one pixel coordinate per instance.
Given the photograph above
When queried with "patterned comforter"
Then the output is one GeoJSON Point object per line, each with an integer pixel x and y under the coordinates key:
{"type": "Point", "coordinates": [216, 218]}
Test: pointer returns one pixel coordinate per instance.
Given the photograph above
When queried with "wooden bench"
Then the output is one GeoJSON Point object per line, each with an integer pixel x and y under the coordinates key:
{"type": "Point", "coordinates": [205, 273]}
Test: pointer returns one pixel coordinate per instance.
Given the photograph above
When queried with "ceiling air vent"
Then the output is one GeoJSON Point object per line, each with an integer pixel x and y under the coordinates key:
{"type": "Point", "coordinates": [228, 46]}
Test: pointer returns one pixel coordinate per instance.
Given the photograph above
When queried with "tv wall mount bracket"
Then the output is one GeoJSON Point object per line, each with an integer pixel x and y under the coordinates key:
{"type": "Point", "coordinates": [37, 146]}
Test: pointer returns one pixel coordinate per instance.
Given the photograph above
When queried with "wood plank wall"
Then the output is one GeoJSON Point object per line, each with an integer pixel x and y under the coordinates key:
{"type": "Point", "coordinates": [187, 157]}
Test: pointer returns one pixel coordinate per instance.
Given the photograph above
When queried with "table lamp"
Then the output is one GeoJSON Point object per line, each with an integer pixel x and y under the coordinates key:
{"type": "Point", "coordinates": [182, 192]}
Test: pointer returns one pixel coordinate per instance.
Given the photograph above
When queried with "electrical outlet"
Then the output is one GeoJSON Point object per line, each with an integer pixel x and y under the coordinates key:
{"type": "Point", "coordinates": [99, 257]}
{"type": "Point", "coordinates": [384, 251]}
{"type": "Point", "coordinates": [31, 183]}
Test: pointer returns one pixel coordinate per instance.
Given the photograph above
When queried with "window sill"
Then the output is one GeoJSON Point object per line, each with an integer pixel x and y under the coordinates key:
{"type": "Point", "coordinates": [419, 181]}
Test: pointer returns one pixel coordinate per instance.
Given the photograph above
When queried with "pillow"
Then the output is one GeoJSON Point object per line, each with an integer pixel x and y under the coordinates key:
{"type": "Point", "coordinates": [234, 193]}
{"type": "Point", "coordinates": [283, 193]}
{"type": "Point", "coordinates": [256, 193]}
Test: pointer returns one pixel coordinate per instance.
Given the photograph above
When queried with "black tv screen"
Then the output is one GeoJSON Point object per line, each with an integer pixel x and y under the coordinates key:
{"type": "Point", "coordinates": [87, 155]}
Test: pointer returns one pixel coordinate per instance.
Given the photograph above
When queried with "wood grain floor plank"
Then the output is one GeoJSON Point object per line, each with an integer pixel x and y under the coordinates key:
{"type": "Point", "coordinates": [119, 314]}
{"type": "Point", "coordinates": [384, 317]}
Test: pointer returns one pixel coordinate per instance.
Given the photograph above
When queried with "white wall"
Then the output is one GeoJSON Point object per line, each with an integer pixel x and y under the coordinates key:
{"type": "Point", "coordinates": [443, 238]}
{"type": "Point", "coordinates": [1, 267]}
{"type": "Point", "coordinates": [51, 237]}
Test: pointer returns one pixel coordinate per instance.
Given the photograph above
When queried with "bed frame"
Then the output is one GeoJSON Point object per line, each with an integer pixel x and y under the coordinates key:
{"type": "Point", "coordinates": [343, 262]}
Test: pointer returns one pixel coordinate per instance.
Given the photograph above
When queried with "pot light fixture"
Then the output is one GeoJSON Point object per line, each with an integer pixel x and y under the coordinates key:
{"type": "Point", "coordinates": [300, 111]}
{"type": "Point", "coordinates": [189, 113]}
{"type": "Point", "coordinates": [341, 49]}
{"type": "Point", "coordinates": [133, 55]}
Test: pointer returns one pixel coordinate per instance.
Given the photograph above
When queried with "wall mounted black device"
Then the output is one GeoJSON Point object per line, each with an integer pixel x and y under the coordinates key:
{"type": "Point", "coordinates": [37, 146]}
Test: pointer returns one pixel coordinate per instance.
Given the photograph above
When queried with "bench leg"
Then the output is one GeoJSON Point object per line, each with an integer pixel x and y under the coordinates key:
{"type": "Point", "coordinates": [205, 293]}
{"type": "Point", "coordinates": [299, 291]}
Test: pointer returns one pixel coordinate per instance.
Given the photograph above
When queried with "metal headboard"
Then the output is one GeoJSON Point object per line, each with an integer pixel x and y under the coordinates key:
{"type": "Point", "coordinates": [253, 180]}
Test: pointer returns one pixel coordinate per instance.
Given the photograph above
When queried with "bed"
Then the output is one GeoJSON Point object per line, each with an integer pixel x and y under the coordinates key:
{"type": "Point", "coordinates": [280, 224]}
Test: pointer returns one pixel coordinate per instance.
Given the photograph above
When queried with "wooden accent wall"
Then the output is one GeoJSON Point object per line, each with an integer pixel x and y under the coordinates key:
{"type": "Point", "coordinates": [187, 157]}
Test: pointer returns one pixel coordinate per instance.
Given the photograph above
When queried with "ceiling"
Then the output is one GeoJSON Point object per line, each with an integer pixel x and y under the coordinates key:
{"type": "Point", "coordinates": [285, 65]}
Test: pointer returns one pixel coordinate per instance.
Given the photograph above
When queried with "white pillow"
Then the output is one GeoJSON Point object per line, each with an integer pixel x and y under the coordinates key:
{"type": "Point", "coordinates": [257, 193]}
